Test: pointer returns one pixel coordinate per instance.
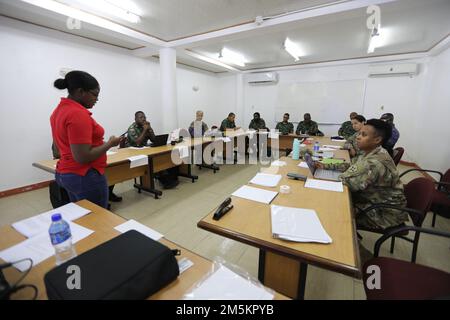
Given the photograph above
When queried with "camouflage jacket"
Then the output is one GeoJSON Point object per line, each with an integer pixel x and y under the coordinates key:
{"type": "Point", "coordinates": [310, 128]}
{"type": "Point", "coordinates": [285, 128]}
{"type": "Point", "coordinates": [227, 124]}
{"type": "Point", "coordinates": [256, 125]}
{"type": "Point", "coordinates": [351, 144]}
{"type": "Point", "coordinates": [373, 178]}
{"type": "Point", "coordinates": [346, 130]}
{"type": "Point", "coordinates": [134, 132]}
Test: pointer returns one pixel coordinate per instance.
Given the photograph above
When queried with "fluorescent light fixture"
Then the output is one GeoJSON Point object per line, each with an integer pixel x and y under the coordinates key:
{"type": "Point", "coordinates": [232, 57]}
{"type": "Point", "coordinates": [293, 49]}
{"type": "Point", "coordinates": [123, 9]}
{"type": "Point", "coordinates": [210, 60]}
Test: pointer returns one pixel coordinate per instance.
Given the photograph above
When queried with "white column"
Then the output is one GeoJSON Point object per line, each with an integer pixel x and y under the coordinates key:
{"type": "Point", "coordinates": [240, 100]}
{"type": "Point", "coordinates": [168, 66]}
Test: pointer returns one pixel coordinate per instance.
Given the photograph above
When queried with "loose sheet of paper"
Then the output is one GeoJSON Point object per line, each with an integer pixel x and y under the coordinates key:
{"type": "Point", "coordinates": [40, 223]}
{"type": "Point", "coordinates": [266, 180]}
{"type": "Point", "coordinates": [324, 185]}
{"type": "Point", "coordinates": [224, 284]}
{"type": "Point", "coordinates": [255, 194]}
{"type": "Point", "coordinates": [39, 247]}
{"type": "Point", "coordinates": [134, 225]}
{"type": "Point", "coordinates": [137, 161]}
{"type": "Point", "coordinates": [110, 153]}
{"type": "Point", "coordinates": [138, 148]}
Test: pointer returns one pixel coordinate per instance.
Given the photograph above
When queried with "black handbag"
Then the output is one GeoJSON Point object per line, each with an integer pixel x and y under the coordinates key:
{"type": "Point", "coordinates": [130, 266]}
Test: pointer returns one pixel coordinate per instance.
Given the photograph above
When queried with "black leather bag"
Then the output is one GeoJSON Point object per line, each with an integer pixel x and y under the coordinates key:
{"type": "Point", "coordinates": [130, 266]}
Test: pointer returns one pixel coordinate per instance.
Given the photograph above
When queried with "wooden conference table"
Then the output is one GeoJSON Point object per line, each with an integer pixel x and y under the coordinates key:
{"type": "Point", "coordinates": [283, 264]}
{"type": "Point", "coordinates": [102, 222]}
{"type": "Point", "coordinates": [159, 159]}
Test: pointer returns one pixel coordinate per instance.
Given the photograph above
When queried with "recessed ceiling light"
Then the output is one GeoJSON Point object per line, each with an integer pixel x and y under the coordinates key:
{"type": "Point", "coordinates": [232, 57]}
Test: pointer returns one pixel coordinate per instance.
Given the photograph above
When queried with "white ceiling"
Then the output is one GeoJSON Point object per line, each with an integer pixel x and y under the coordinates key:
{"type": "Point", "coordinates": [409, 26]}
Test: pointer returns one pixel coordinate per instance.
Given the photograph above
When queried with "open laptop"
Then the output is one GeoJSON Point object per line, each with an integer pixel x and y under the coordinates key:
{"type": "Point", "coordinates": [318, 173]}
{"type": "Point", "coordinates": [160, 140]}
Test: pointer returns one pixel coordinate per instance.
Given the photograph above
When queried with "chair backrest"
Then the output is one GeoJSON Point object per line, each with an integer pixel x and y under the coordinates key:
{"type": "Point", "coordinates": [419, 195]}
{"type": "Point", "coordinates": [397, 156]}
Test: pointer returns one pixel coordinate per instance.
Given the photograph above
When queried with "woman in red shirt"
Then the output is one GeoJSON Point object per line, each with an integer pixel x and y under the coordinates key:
{"type": "Point", "coordinates": [79, 138]}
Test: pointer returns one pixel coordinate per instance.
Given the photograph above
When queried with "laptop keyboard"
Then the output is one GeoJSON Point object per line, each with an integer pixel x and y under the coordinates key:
{"type": "Point", "coordinates": [327, 174]}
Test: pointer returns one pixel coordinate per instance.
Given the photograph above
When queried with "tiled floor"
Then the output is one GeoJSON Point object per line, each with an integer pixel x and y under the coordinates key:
{"type": "Point", "coordinates": [176, 215]}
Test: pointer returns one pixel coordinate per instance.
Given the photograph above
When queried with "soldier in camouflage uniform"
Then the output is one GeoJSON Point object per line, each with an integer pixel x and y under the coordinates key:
{"type": "Point", "coordinates": [351, 144]}
{"type": "Point", "coordinates": [346, 130]}
{"type": "Point", "coordinates": [285, 127]}
{"type": "Point", "coordinates": [257, 122]}
{"type": "Point", "coordinates": [140, 131]}
{"type": "Point", "coordinates": [372, 178]}
{"type": "Point", "coordinates": [308, 126]}
{"type": "Point", "coordinates": [228, 123]}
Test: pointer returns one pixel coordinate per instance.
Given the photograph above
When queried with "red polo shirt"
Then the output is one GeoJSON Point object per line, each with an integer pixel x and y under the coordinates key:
{"type": "Point", "coordinates": [72, 124]}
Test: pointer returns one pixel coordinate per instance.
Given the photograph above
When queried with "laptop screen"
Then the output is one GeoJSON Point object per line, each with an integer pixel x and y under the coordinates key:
{"type": "Point", "coordinates": [309, 161]}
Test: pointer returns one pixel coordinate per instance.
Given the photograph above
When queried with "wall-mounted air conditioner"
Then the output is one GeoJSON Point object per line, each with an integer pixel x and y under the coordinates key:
{"type": "Point", "coordinates": [262, 78]}
{"type": "Point", "coordinates": [392, 70]}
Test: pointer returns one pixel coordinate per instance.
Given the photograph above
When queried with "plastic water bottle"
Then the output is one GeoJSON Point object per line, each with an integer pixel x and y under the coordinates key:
{"type": "Point", "coordinates": [296, 149]}
{"type": "Point", "coordinates": [316, 147]}
{"type": "Point", "coordinates": [61, 239]}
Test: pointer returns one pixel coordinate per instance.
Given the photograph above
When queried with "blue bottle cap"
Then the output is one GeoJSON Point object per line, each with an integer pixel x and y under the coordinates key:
{"type": "Point", "coordinates": [56, 217]}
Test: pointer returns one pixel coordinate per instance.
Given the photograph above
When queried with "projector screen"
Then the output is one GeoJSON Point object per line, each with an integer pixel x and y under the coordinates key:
{"type": "Point", "coordinates": [328, 102]}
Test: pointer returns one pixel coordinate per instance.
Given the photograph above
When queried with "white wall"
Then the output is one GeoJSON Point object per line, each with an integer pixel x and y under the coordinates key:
{"type": "Point", "coordinates": [214, 95]}
{"type": "Point", "coordinates": [30, 60]}
{"type": "Point", "coordinates": [433, 125]}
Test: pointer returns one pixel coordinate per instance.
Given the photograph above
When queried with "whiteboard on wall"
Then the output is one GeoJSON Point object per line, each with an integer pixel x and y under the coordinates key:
{"type": "Point", "coordinates": [328, 102]}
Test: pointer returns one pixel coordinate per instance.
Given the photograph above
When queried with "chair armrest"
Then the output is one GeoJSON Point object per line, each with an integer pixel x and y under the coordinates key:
{"type": "Point", "coordinates": [390, 206]}
{"type": "Point", "coordinates": [423, 170]}
{"type": "Point", "coordinates": [401, 230]}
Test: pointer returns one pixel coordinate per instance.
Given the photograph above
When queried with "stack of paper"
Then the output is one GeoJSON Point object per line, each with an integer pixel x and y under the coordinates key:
{"type": "Point", "coordinates": [255, 194]}
{"type": "Point", "coordinates": [39, 247]}
{"type": "Point", "coordinates": [224, 284]}
{"type": "Point", "coordinates": [134, 225]}
{"type": "Point", "coordinates": [326, 149]}
{"type": "Point", "coordinates": [303, 164]}
{"type": "Point", "coordinates": [266, 180]}
{"type": "Point", "coordinates": [278, 163]}
{"type": "Point", "coordinates": [299, 225]}
{"type": "Point", "coordinates": [137, 161]}
{"type": "Point", "coordinates": [324, 185]}
{"type": "Point", "coordinates": [40, 223]}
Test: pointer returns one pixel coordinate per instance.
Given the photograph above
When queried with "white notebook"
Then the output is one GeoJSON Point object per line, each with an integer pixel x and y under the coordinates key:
{"type": "Point", "coordinates": [296, 224]}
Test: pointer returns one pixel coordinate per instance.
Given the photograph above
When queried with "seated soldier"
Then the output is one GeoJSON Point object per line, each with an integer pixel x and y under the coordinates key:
{"type": "Point", "coordinates": [346, 130]}
{"type": "Point", "coordinates": [372, 178]}
{"type": "Point", "coordinates": [139, 133]}
{"type": "Point", "coordinates": [198, 128]}
{"type": "Point", "coordinates": [357, 122]}
{"type": "Point", "coordinates": [257, 122]}
{"type": "Point", "coordinates": [308, 127]}
{"type": "Point", "coordinates": [285, 127]}
{"type": "Point", "coordinates": [228, 123]}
